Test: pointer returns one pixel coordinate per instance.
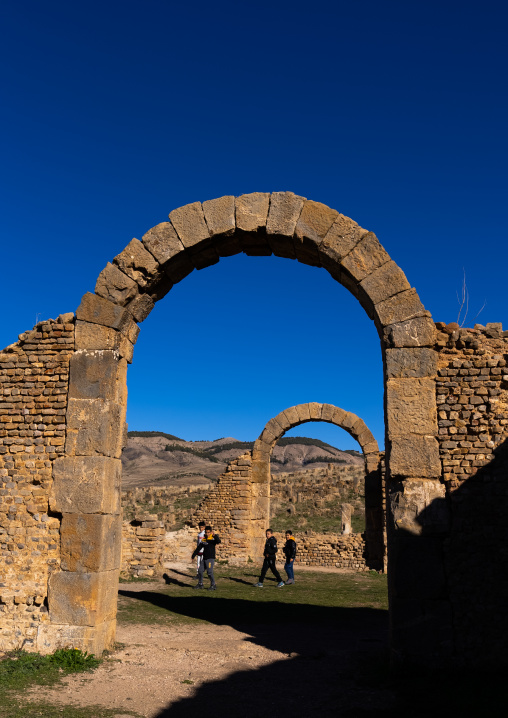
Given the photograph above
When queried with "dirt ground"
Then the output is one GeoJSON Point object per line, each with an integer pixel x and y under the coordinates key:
{"type": "Point", "coordinates": [217, 670]}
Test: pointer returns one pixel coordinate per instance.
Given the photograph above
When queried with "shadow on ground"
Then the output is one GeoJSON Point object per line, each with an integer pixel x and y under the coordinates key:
{"type": "Point", "coordinates": [336, 664]}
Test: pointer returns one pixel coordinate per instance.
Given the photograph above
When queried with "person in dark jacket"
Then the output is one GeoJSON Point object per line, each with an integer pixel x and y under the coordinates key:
{"type": "Point", "coordinates": [269, 553]}
{"type": "Point", "coordinates": [290, 554]}
{"type": "Point", "coordinates": [207, 545]}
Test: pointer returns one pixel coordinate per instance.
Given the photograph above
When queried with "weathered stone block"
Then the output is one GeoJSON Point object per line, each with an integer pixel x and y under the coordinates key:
{"type": "Point", "coordinates": [90, 542]}
{"type": "Point", "coordinates": [94, 375]}
{"type": "Point", "coordinates": [411, 362]}
{"type": "Point", "coordinates": [95, 336]}
{"type": "Point", "coordinates": [312, 226]}
{"type": "Point", "coordinates": [365, 257]}
{"type": "Point", "coordinates": [292, 416]}
{"type": "Point", "coordinates": [342, 237]}
{"type": "Point", "coordinates": [96, 639]}
{"type": "Point", "coordinates": [283, 421]}
{"type": "Point", "coordinates": [115, 286]}
{"type": "Point", "coordinates": [82, 599]}
{"type": "Point", "coordinates": [419, 507]}
{"type": "Point", "coordinates": [86, 484]}
{"type": "Point", "coordinates": [411, 406]}
{"type": "Point", "coordinates": [339, 415]}
{"type": "Point", "coordinates": [252, 211]}
{"type": "Point", "coordinates": [98, 310]}
{"type": "Point", "coordinates": [220, 215]}
{"type": "Point", "coordinates": [327, 412]}
{"type": "Point", "coordinates": [385, 282]}
{"type": "Point", "coordinates": [414, 455]}
{"type": "Point", "coordinates": [285, 209]}
{"type": "Point", "coordinates": [163, 242]}
{"type": "Point", "coordinates": [399, 308]}
{"type": "Point", "coordinates": [138, 263]}
{"type": "Point", "coordinates": [315, 410]}
{"type": "Point", "coordinates": [189, 223]}
{"type": "Point", "coordinates": [418, 332]}
{"type": "Point", "coordinates": [141, 306]}
{"type": "Point", "coordinates": [94, 427]}
{"type": "Point", "coordinates": [303, 411]}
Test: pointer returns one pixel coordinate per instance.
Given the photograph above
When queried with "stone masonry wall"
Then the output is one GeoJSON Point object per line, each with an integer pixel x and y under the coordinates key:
{"type": "Point", "coordinates": [34, 378]}
{"type": "Point", "coordinates": [142, 547]}
{"type": "Point", "coordinates": [472, 403]}
{"type": "Point", "coordinates": [227, 507]}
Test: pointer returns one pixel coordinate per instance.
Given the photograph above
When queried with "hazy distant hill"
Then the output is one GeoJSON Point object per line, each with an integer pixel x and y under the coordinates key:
{"type": "Point", "coordinates": [152, 457]}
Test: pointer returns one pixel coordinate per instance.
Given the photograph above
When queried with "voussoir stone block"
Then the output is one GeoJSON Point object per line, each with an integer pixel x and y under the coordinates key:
{"type": "Point", "coordinates": [163, 242]}
{"type": "Point", "coordinates": [292, 416]}
{"type": "Point", "coordinates": [338, 416]}
{"type": "Point", "coordinates": [141, 306]}
{"type": "Point", "coordinates": [82, 599]}
{"type": "Point", "coordinates": [86, 484]}
{"type": "Point", "coordinates": [283, 421]}
{"type": "Point", "coordinates": [98, 310]}
{"type": "Point", "coordinates": [411, 362]}
{"type": "Point", "coordinates": [90, 542]}
{"type": "Point", "coordinates": [312, 226]}
{"type": "Point", "coordinates": [220, 215]}
{"type": "Point", "coordinates": [284, 212]}
{"type": "Point", "coordinates": [94, 426]}
{"type": "Point", "coordinates": [189, 223]}
{"type": "Point", "coordinates": [252, 211]}
{"type": "Point", "coordinates": [303, 411]}
{"type": "Point", "coordinates": [138, 263]}
{"type": "Point", "coordinates": [365, 257]}
{"type": "Point", "coordinates": [399, 308]}
{"type": "Point", "coordinates": [341, 238]}
{"type": "Point", "coordinates": [315, 410]}
{"type": "Point", "coordinates": [94, 375]}
{"type": "Point", "coordinates": [114, 285]}
{"type": "Point", "coordinates": [327, 412]}
{"type": "Point", "coordinates": [384, 282]}
{"type": "Point", "coordinates": [411, 406]}
{"type": "Point", "coordinates": [414, 455]}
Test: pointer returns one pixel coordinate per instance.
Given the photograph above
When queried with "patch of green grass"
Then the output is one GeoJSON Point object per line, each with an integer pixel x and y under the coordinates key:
{"type": "Point", "coordinates": [313, 599]}
{"type": "Point", "coordinates": [19, 671]}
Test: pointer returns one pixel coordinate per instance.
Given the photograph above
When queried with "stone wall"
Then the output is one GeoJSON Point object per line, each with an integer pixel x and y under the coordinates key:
{"type": "Point", "coordinates": [142, 547]}
{"type": "Point", "coordinates": [227, 508]}
{"type": "Point", "coordinates": [34, 380]}
{"type": "Point", "coordinates": [472, 402]}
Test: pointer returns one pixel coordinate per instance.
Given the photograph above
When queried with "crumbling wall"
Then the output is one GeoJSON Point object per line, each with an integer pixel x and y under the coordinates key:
{"type": "Point", "coordinates": [227, 508]}
{"type": "Point", "coordinates": [142, 547]}
{"type": "Point", "coordinates": [34, 380]}
{"type": "Point", "coordinates": [472, 402]}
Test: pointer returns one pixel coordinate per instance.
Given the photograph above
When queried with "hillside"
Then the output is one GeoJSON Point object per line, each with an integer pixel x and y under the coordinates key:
{"type": "Point", "coordinates": [163, 459]}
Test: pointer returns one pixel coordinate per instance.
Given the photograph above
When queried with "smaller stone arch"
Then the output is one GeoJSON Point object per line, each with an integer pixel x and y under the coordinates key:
{"type": "Point", "coordinates": [275, 429]}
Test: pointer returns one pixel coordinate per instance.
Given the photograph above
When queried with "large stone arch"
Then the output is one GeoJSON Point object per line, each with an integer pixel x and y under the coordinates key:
{"type": "Point", "coordinates": [82, 593]}
{"type": "Point", "coordinates": [356, 427]}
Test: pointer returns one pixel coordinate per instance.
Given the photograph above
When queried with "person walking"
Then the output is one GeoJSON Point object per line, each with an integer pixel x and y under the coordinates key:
{"type": "Point", "coordinates": [199, 555]}
{"type": "Point", "coordinates": [290, 554]}
{"type": "Point", "coordinates": [269, 553]}
{"type": "Point", "coordinates": [208, 544]}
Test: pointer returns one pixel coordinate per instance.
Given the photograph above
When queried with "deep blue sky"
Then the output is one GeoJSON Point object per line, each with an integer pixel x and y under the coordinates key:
{"type": "Point", "coordinates": [115, 113]}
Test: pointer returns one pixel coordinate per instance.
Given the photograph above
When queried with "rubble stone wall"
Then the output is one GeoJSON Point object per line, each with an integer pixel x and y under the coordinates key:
{"type": "Point", "coordinates": [34, 382]}
{"type": "Point", "coordinates": [472, 402]}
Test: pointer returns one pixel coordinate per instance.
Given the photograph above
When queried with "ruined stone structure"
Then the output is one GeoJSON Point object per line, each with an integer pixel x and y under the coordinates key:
{"type": "Point", "coordinates": [61, 589]}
